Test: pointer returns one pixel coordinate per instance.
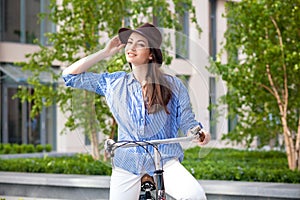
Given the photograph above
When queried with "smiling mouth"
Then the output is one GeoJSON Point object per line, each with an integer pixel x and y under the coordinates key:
{"type": "Point", "coordinates": [131, 54]}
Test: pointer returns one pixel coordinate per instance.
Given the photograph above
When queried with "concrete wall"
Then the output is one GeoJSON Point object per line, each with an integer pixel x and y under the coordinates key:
{"type": "Point", "coordinates": [61, 186]}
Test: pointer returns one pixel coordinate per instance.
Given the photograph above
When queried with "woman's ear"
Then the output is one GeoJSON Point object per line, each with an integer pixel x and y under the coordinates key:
{"type": "Point", "coordinates": [150, 57]}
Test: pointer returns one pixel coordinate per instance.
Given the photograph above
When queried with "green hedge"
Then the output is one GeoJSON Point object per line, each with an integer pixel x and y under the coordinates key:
{"type": "Point", "coordinates": [219, 164]}
{"type": "Point", "coordinates": [240, 165]}
{"type": "Point", "coordinates": [24, 148]}
{"type": "Point", "coordinates": [78, 164]}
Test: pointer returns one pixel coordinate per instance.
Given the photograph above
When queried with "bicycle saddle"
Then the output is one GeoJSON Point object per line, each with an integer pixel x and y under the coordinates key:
{"type": "Point", "coordinates": [147, 182]}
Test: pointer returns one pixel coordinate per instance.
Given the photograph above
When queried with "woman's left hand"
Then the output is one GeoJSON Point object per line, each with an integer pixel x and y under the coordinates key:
{"type": "Point", "coordinates": [204, 137]}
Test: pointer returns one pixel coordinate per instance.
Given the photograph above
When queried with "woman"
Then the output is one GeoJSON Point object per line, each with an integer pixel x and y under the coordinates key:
{"type": "Point", "coordinates": [146, 104]}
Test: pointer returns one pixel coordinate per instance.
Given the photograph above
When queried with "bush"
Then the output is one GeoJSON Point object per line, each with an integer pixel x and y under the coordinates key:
{"type": "Point", "coordinates": [219, 164]}
{"type": "Point", "coordinates": [78, 164]}
{"type": "Point", "coordinates": [30, 148]}
{"type": "Point", "coordinates": [23, 148]}
{"type": "Point", "coordinates": [7, 148]}
{"type": "Point", "coordinates": [48, 148]}
{"type": "Point", "coordinates": [240, 165]}
{"type": "Point", "coordinates": [16, 148]}
{"type": "Point", "coordinates": [39, 148]}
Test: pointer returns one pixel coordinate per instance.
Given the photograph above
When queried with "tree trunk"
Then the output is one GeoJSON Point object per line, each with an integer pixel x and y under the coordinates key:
{"type": "Point", "coordinates": [93, 129]}
{"type": "Point", "coordinates": [292, 149]}
{"type": "Point", "coordinates": [95, 146]}
{"type": "Point", "coordinates": [297, 151]}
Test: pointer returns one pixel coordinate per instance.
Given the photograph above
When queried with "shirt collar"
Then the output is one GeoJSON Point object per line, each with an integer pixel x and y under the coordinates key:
{"type": "Point", "coordinates": [130, 78]}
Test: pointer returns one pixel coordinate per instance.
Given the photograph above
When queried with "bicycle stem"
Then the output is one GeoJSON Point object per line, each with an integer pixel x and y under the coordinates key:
{"type": "Point", "coordinates": [160, 191]}
{"type": "Point", "coordinates": [158, 176]}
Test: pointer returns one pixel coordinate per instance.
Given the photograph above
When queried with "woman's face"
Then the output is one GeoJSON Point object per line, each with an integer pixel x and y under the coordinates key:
{"type": "Point", "coordinates": [137, 50]}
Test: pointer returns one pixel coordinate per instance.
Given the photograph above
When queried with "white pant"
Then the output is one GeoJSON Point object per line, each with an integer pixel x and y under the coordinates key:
{"type": "Point", "coordinates": [179, 183]}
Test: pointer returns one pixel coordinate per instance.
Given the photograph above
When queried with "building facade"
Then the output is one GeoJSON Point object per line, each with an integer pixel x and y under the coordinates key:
{"type": "Point", "coordinates": [18, 29]}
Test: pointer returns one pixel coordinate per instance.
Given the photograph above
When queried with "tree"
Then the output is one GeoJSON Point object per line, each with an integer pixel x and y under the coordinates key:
{"type": "Point", "coordinates": [263, 72]}
{"type": "Point", "coordinates": [82, 27]}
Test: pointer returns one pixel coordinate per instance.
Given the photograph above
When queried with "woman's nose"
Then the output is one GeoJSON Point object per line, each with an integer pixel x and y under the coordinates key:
{"type": "Point", "coordinates": [131, 46]}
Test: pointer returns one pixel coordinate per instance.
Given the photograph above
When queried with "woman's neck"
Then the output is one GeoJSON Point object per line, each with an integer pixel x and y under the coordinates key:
{"type": "Point", "coordinates": [140, 72]}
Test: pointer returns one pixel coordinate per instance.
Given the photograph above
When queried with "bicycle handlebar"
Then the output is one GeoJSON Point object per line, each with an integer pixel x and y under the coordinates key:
{"type": "Point", "coordinates": [110, 145]}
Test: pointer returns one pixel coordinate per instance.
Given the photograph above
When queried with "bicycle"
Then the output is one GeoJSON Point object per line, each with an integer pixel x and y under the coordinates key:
{"type": "Point", "coordinates": [149, 184]}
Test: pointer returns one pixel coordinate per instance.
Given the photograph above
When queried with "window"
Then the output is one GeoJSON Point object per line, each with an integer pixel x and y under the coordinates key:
{"type": "Point", "coordinates": [16, 124]}
{"type": "Point", "coordinates": [182, 37]}
{"type": "Point", "coordinates": [212, 29]}
{"type": "Point", "coordinates": [19, 21]}
{"type": "Point", "coordinates": [212, 111]}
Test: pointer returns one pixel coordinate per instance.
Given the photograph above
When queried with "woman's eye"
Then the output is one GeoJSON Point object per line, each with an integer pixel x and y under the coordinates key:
{"type": "Point", "coordinates": [141, 45]}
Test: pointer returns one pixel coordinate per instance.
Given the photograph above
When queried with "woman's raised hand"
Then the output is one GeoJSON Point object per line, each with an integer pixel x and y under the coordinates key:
{"type": "Point", "coordinates": [113, 46]}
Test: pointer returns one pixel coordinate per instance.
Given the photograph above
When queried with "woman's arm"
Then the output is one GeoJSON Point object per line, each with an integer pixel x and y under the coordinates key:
{"type": "Point", "coordinates": [82, 65]}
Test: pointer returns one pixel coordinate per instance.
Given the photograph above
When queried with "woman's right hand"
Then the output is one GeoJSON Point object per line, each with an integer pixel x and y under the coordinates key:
{"type": "Point", "coordinates": [113, 46]}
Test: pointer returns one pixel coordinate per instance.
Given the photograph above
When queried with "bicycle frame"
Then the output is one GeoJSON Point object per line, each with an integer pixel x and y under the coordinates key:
{"type": "Point", "coordinates": [111, 145]}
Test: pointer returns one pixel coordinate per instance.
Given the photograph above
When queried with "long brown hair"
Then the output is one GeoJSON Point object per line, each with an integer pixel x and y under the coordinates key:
{"type": "Point", "coordinates": [157, 92]}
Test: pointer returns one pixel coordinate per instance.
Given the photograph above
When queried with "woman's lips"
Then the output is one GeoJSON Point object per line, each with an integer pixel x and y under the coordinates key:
{"type": "Point", "coordinates": [130, 54]}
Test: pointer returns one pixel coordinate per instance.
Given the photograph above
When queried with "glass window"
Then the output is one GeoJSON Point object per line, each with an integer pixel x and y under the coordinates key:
{"type": "Point", "coordinates": [212, 111]}
{"type": "Point", "coordinates": [20, 20]}
{"type": "Point", "coordinates": [10, 20]}
{"type": "Point", "coordinates": [32, 27]}
{"type": "Point", "coordinates": [182, 37]}
{"type": "Point", "coordinates": [212, 29]}
{"type": "Point", "coordinates": [16, 124]}
{"type": "Point", "coordinates": [14, 118]}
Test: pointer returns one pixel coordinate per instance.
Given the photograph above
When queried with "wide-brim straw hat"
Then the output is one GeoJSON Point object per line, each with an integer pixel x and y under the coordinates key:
{"type": "Point", "coordinates": [150, 32]}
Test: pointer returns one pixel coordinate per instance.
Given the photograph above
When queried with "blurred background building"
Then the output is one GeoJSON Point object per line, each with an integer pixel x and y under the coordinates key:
{"type": "Point", "coordinates": [19, 26]}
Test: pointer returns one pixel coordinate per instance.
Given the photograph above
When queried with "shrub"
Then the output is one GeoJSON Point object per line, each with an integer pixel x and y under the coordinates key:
{"type": "Point", "coordinates": [39, 148]}
{"type": "Point", "coordinates": [240, 165]}
{"type": "Point", "coordinates": [219, 164]}
{"type": "Point", "coordinates": [30, 148]}
{"type": "Point", "coordinates": [48, 148]}
{"type": "Point", "coordinates": [16, 148]}
{"type": "Point", "coordinates": [78, 164]}
{"type": "Point", "coordinates": [7, 148]}
{"type": "Point", "coordinates": [23, 148]}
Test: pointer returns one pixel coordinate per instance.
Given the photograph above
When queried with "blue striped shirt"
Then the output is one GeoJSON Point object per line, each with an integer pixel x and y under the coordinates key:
{"type": "Point", "coordinates": [123, 94]}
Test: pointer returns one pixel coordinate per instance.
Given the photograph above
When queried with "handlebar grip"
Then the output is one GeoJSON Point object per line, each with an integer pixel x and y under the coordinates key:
{"type": "Point", "coordinates": [195, 130]}
{"type": "Point", "coordinates": [108, 145]}
{"type": "Point", "coordinates": [199, 132]}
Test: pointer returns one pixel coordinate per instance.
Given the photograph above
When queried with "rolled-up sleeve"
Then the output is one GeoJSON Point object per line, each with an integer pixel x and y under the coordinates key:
{"type": "Point", "coordinates": [88, 81]}
{"type": "Point", "coordinates": [94, 82]}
